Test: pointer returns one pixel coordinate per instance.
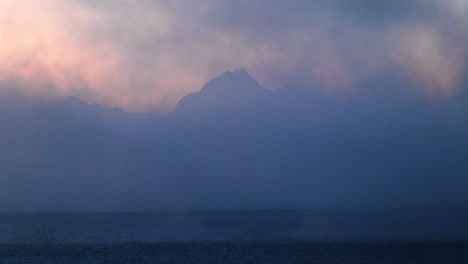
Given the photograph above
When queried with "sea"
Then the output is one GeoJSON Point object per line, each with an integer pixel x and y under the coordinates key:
{"type": "Point", "coordinates": [255, 236]}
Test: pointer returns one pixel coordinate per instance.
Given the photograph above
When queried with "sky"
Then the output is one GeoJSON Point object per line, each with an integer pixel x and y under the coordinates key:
{"type": "Point", "coordinates": [145, 55]}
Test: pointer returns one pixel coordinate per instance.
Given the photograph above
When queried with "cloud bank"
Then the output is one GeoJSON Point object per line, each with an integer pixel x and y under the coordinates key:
{"type": "Point", "coordinates": [145, 55]}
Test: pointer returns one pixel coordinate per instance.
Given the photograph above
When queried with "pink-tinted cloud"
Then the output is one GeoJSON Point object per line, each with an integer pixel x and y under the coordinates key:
{"type": "Point", "coordinates": [433, 62]}
{"type": "Point", "coordinates": [47, 48]}
{"type": "Point", "coordinates": [145, 55]}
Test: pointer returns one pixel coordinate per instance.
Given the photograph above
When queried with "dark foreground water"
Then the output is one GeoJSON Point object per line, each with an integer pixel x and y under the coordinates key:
{"type": "Point", "coordinates": [239, 252]}
{"type": "Point", "coordinates": [385, 236]}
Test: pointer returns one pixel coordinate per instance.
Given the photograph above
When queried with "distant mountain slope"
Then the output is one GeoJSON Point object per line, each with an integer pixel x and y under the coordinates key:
{"type": "Point", "coordinates": [230, 91]}
{"type": "Point", "coordinates": [235, 145]}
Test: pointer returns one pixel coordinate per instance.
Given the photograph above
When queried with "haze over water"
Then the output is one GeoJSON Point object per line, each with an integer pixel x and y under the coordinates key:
{"type": "Point", "coordinates": [243, 131]}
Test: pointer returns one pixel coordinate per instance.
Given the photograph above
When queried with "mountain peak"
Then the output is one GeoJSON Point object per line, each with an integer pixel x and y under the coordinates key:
{"type": "Point", "coordinates": [238, 79]}
{"type": "Point", "coordinates": [241, 70]}
{"type": "Point", "coordinates": [238, 73]}
{"type": "Point", "coordinates": [230, 89]}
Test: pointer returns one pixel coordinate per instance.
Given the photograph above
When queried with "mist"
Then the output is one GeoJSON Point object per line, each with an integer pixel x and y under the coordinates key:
{"type": "Point", "coordinates": [236, 145]}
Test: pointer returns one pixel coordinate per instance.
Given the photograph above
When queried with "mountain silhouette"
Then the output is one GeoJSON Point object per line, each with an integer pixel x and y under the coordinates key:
{"type": "Point", "coordinates": [234, 144]}
{"type": "Point", "coordinates": [230, 91]}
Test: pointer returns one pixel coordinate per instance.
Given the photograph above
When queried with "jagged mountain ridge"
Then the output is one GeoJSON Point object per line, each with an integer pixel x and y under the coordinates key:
{"type": "Point", "coordinates": [232, 145]}
{"type": "Point", "coordinates": [230, 90]}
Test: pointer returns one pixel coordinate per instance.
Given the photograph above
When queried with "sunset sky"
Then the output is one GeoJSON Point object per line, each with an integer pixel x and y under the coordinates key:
{"type": "Point", "coordinates": [144, 55]}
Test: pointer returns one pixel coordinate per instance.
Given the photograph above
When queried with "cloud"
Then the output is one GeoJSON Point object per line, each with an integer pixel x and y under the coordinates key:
{"type": "Point", "coordinates": [47, 49]}
{"type": "Point", "coordinates": [163, 50]}
{"type": "Point", "coordinates": [433, 62]}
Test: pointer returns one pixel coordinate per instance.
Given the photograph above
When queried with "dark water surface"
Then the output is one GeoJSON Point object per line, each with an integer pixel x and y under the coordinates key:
{"type": "Point", "coordinates": [377, 236]}
{"type": "Point", "coordinates": [239, 252]}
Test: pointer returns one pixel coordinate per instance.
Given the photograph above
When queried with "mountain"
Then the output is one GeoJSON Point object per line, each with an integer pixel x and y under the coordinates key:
{"type": "Point", "coordinates": [230, 91]}
{"type": "Point", "coordinates": [237, 83]}
{"type": "Point", "coordinates": [234, 145]}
